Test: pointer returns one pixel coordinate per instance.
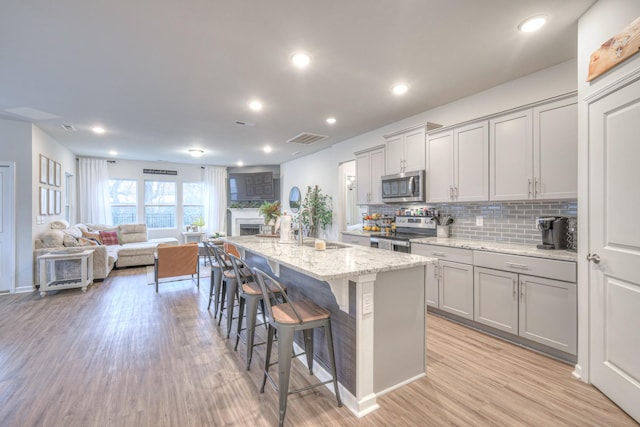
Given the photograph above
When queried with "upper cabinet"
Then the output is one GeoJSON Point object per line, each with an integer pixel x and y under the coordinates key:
{"type": "Point", "coordinates": [369, 172]}
{"type": "Point", "coordinates": [458, 164]}
{"type": "Point", "coordinates": [406, 149]}
{"type": "Point", "coordinates": [534, 153]}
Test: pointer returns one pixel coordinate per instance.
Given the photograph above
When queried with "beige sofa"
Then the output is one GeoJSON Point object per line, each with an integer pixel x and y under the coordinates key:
{"type": "Point", "coordinates": [135, 248]}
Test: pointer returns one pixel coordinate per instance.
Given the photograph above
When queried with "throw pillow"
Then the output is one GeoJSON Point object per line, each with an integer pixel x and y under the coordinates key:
{"type": "Point", "coordinates": [93, 235]}
{"type": "Point", "coordinates": [83, 241]}
{"type": "Point", "coordinates": [59, 224]}
{"type": "Point", "coordinates": [109, 238]}
{"type": "Point", "coordinates": [69, 241]}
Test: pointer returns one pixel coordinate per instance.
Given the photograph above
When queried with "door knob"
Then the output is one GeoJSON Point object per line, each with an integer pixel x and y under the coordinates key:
{"type": "Point", "coordinates": [593, 257]}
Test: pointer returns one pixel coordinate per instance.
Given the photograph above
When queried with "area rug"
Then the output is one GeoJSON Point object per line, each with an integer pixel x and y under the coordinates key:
{"type": "Point", "coordinates": [205, 272]}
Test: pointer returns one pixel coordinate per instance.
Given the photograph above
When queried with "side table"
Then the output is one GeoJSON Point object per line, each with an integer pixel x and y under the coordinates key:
{"type": "Point", "coordinates": [193, 236]}
{"type": "Point", "coordinates": [66, 270]}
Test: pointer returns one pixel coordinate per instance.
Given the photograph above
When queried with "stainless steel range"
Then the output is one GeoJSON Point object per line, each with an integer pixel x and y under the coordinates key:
{"type": "Point", "coordinates": [407, 228]}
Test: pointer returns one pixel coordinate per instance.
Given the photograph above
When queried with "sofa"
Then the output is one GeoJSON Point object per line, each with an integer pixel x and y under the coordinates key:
{"type": "Point", "coordinates": [124, 245]}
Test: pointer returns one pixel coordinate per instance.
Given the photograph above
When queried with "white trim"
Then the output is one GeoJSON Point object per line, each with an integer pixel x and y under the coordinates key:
{"type": "Point", "coordinates": [11, 232]}
{"type": "Point", "coordinates": [623, 81]}
{"type": "Point", "coordinates": [400, 384]}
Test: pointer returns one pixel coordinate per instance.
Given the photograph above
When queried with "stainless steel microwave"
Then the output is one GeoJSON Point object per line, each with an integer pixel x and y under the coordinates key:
{"type": "Point", "coordinates": [403, 187]}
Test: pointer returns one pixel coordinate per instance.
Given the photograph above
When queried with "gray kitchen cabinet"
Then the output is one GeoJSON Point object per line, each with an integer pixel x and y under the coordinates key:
{"type": "Point", "coordinates": [356, 240]}
{"type": "Point", "coordinates": [405, 150]}
{"type": "Point", "coordinates": [533, 152]}
{"type": "Point", "coordinates": [541, 309]}
{"type": "Point", "coordinates": [369, 172]}
{"type": "Point", "coordinates": [449, 283]}
{"type": "Point", "coordinates": [458, 164]}
{"type": "Point", "coordinates": [496, 299]}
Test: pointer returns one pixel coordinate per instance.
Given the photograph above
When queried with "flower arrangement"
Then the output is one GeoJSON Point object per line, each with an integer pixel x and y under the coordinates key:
{"type": "Point", "coordinates": [270, 211]}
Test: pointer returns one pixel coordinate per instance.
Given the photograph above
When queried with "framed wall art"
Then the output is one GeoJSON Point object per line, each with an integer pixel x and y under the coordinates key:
{"type": "Point", "coordinates": [43, 201]}
{"type": "Point", "coordinates": [52, 172]}
{"type": "Point", "coordinates": [58, 206]}
{"type": "Point", "coordinates": [58, 174]}
{"type": "Point", "coordinates": [51, 208]}
{"type": "Point", "coordinates": [44, 162]}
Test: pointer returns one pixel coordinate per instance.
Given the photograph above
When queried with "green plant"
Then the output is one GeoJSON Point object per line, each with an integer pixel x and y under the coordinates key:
{"type": "Point", "coordinates": [199, 221]}
{"type": "Point", "coordinates": [270, 211]}
{"type": "Point", "coordinates": [319, 206]}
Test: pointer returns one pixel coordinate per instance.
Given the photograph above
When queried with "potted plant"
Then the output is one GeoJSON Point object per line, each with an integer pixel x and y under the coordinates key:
{"type": "Point", "coordinates": [198, 223]}
{"type": "Point", "coordinates": [270, 211]}
{"type": "Point", "coordinates": [318, 206]}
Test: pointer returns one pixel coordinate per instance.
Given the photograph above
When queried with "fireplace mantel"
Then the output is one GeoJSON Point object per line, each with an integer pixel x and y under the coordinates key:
{"type": "Point", "coordinates": [243, 216]}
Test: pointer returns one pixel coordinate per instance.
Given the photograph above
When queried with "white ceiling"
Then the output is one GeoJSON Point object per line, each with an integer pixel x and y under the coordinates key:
{"type": "Point", "coordinates": [163, 76]}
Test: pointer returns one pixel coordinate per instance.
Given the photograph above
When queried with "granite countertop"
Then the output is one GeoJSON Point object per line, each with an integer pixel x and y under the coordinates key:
{"type": "Point", "coordinates": [350, 261]}
{"type": "Point", "coordinates": [506, 248]}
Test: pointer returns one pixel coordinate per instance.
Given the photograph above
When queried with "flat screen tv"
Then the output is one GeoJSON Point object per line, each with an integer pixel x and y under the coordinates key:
{"type": "Point", "coordinates": [245, 187]}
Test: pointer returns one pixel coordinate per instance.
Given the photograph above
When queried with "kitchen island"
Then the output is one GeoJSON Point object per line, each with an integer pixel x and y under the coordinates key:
{"type": "Point", "coordinates": [376, 299]}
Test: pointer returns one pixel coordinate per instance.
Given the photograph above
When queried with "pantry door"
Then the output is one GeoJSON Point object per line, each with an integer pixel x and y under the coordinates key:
{"type": "Point", "coordinates": [7, 227]}
{"type": "Point", "coordinates": [614, 243]}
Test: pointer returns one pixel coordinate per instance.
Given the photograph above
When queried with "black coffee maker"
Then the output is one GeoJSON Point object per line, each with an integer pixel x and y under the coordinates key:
{"type": "Point", "coordinates": [554, 232]}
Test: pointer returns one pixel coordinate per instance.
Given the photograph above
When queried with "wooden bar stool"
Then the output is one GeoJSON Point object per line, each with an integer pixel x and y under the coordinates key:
{"type": "Point", "coordinates": [287, 318]}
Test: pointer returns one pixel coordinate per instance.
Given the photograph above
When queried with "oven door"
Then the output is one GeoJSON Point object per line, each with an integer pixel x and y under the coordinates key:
{"type": "Point", "coordinates": [401, 246]}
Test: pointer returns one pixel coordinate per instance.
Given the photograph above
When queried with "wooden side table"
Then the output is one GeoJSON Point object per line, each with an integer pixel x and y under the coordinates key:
{"type": "Point", "coordinates": [55, 275]}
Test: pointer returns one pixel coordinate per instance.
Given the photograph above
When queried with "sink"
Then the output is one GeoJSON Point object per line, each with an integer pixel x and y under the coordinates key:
{"type": "Point", "coordinates": [330, 245]}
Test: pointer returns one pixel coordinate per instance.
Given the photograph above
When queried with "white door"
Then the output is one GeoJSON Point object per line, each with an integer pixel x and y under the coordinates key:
{"type": "Point", "coordinates": [471, 163]}
{"type": "Point", "coordinates": [456, 288]}
{"type": "Point", "coordinates": [414, 150]}
{"type": "Point", "coordinates": [394, 155]}
{"type": "Point", "coordinates": [363, 178]}
{"type": "Point", "coordinates": [7, 225]}
{"type": "Point", "coordinates": [377, 171]}
{"type": "Point", "coordinates": [440, 167]}
{"type": "Point", "coordinates": [614, 245]}
{"type": "Point", "coordinates": [495, 301]}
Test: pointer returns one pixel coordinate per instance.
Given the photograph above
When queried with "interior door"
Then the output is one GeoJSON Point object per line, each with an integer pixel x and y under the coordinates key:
{"type": "Point", "coordinates": [7, 237]}
{"type": "Point", "coordinates": [614, 245]}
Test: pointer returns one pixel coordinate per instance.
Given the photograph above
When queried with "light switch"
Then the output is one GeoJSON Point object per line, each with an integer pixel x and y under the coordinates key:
{"type": "Point", "coordinates": [367, 304]}
{"type": "Point", "coordinates": [479, 221]}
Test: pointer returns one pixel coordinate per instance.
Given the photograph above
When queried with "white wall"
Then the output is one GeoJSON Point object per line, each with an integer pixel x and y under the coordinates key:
{"type": "Point", "coordinates": [129, 169]}
{"type": "Point", "coordinates": [321, 168]}
{"type": "Point", "coordinates": [605, 19]}
{"type": "Point", "coordinates": [15, 146]}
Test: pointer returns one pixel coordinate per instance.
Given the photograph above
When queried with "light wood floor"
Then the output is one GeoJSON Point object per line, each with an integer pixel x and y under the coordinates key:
{"type": "Point", "coordinates": [122, 355]}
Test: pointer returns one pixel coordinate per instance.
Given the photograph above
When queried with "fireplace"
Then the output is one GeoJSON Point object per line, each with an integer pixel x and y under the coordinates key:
{"type": "Point", "coordinates": [249, 229]}
{"type": "Point", "coordinates": [244, 221]}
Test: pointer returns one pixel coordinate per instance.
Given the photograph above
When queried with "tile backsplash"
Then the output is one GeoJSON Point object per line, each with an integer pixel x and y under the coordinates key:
{"type": "Point", "coordinates": [510, 222]}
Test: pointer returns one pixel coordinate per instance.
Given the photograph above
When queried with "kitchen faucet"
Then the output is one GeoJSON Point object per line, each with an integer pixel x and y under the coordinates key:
{"type": "Point", "coordinates": [300, 223]}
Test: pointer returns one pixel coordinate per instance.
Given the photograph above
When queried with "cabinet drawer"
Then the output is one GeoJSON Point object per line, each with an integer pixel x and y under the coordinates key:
{"type": "Point", "coordinates": [464, 256]}
{"type": "Point", "coordinates": [553, 269]}
{"type": "Point", "coordinates": [356, 240]}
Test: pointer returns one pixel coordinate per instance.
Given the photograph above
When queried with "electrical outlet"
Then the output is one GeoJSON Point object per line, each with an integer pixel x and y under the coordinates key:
{"type": "Point", "coordinates": [479, 221]}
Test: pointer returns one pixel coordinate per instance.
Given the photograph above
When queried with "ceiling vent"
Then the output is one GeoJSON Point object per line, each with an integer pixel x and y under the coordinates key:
{"type": "Point", "coordinates": [69, 128]}
{"type": "Point", "coordinates": [307, 138]}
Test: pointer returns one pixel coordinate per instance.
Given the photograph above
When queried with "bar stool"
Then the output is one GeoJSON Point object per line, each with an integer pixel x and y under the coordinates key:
{"type": "Point", "coordinates": [217, 270]}
{"type": "Point", "coordinates": [250, 297]}
{"type": "Point", "coordinates": [228, 286]}
{"type": "Point", "coordinates": [287, 318]}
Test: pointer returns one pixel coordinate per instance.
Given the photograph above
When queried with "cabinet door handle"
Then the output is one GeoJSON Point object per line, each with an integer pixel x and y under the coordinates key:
{"type": "Point", "coordinates": [440, 254]}
{"type": "Point", "coordinates": [522, 288]}
{"type": "Point", "coordinates": [535, 187]}
{"type": "Point", "coordinates": [455, 191]}
{"type": "Point", "coordinates": [451, 191]}
{"type": "Point", "coordinates": [435, 272]}
{"type": "Point", "coordinates": [515, 289]}
{"type": "Point", "coordinates": [516, 265]}
{"type": "Point", "coordinates": [529, 194]}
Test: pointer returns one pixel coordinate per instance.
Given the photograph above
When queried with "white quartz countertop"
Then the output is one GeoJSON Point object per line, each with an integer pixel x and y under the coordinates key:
{"type": "Point", "coordinates": [350, 261]}
{"type": "Point", "coordinates": [507, 248]}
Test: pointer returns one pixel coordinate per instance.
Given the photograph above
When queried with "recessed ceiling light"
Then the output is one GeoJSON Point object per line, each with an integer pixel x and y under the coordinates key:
{"type": "Point", "coordinates": [300, 60]}
{"type": "Point", "coordinates": [196, 152]}
{"type": "Point", "coordinates": [255, 105]}
{"type": "Point", "coordinates": [98, 129]}
{"type": "Point", "coordinates": [113, 153]}
{"type": "Point", "coordinates": [331, 120]}
{"type": "Point", "coordinates": [267, 149]}
{"type": "Point", "coordinates": [400, 89]}
{"type": "Point", "coordinates": [240, 163]}
{"type": "Point", "coordinates": [532, 24]}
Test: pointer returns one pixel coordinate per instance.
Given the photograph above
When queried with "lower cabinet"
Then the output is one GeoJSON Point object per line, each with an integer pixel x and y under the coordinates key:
{"type": "Point", "coordinates": [539, 309]}
{"type": "Point", "coordinates": [356, 240]}
{"type": "Point", "coordinates": [455, 288]}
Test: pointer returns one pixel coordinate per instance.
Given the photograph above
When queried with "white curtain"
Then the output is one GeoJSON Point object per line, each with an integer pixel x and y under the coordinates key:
{"type": "Point", "coordinates": [93, 192]}
{"type": "Point", "coordinates": [215, 182]}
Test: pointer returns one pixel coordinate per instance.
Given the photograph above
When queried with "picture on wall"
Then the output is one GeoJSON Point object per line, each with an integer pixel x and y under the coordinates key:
{"type": "Point", "coordinates": [43, 169]}
{"type": "Point", "coordinates": [51, 202]}
{"type": "Point", "coordinates": [52, 171]}
{"type": "Point", "coordinates": [58, 202]}
{"type": "Point", "coordinates": [58, 174]}
{"type": "Point", "coordinates": [43, 201]}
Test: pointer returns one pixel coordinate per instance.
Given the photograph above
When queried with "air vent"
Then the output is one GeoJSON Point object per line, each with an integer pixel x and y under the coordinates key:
{"type": "Point", "coordinates": [307, 138]}
{"type": "Point", "coordinates": [243, 123]}
{"type": "Point", "coordinates": [69, 128]}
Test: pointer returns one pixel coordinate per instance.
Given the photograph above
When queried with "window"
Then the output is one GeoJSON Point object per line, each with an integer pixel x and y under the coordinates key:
{"type": "Point", "coordinates": [192, 202]}
{"type": "Point", "coordinates": [160, 204]}
{"type": "Point", "coordinates": [123, 197]}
